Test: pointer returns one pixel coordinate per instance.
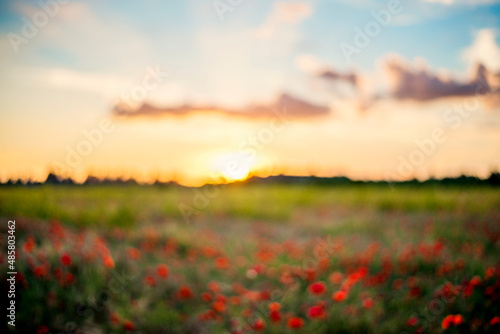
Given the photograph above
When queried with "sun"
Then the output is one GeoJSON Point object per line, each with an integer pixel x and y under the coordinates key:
{"type": "Point", "coordinates": [232, 166]}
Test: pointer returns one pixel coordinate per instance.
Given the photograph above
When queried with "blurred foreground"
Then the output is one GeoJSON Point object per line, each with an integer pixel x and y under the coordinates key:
{"type": "Point", "coordinates": [246, 258]}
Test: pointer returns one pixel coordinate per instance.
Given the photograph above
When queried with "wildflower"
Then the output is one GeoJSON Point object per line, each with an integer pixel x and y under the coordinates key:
{"type": "Point", "coordinates": [134, 253]}
{"type": "Point", "coordinates": [295, 323]}
{"type": "Point", "coordinates": [184, 293]}
{"type": "Point", "coordinates": [222, 263]}
{"type": "Point", "coordinates": [316, 311]}
{"type": "Point", "coordinates": [162, 270]}
{"type": "Point", "coordinates": [219, 306]}
{"type": "Point", "coordinates": [495, 321]}
{"type": "Point", "coordinates": [29, 244]}
{"type": "Point", "coordinates": [317, 288]}
{"type": "Point", "coordinates": [66, 260]}
{"type": "Point", "coordinates": [149, 280]}
{"type": "Point", "coordinates": [42, 329]}
{"type": "Point", "coordinates": [367, 303]}
{"type": "Point", "coordinates": [339, 296]}
{"type": "Point", "coordinates": [259, 324]}
{"type": "Point", "coordinates": [452, 320]}
{"type": "Point", "coordinates": [128, 325]}
{"type": "Point", "coordinates": [108, 262]}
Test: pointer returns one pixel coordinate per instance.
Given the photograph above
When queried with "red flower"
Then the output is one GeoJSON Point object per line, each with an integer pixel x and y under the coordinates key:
{"type": "Point", "coordinates": [113, 317]}
{"type": "Point", "coordinates": [108, 262]}
{"type": "Point", "coordinates": [149, 280]}
{"type": "Point", "coordinates": [316, 311]}
{"type": "Point", "coordinates": [42, 329]}
{"type": "Point", "coordinates": [184, 293]}
{"type": "Point", "coordinates": [66, 260]}
{"type": "Point", "coordinates": [495, 321]}
{"type": "Point", "coordinates": [339, 296]}
{"type": "Point", "coordinates": [317, 288]}
{"type": "Point", "coordinates": [367, 303]}
{"type": "Point", "coordinates": [259, 325]}
{"type": "Point", "coordinates": [275, 316]}
{"type": "Point", "coordinates": [29, 244]}
{"type": "Point", "coordinates": [412, 321]}
{"type": "Point", "coordinates": [219, 306]}
{"type": "Point", "coordinates": [274, 307]}
{"type": "Point", "coordinates": [222, 263]}
{"type": "Point", "coordinates": [40, 271]}
{"type": "Point", "coordinates": [205, 296]}
{"type": "Point", "coordinates": [162, 270]}
{"type": "Point", "coordinates": [128, 325]}
{"type": "Point", "coordinates": [295, 322]}
{"type": "Point", "coordinates": [452, 320]}
{"type": "Point", "coordinates": [134, 253]}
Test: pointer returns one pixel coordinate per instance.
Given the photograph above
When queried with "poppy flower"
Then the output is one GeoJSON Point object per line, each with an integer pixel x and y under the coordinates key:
{"type": "Point", "coordinates": [339, 296]}
{"type": "Point", "coordinates": [184, 293]}
{"type": "Point", "coordinates": [412, 321]}
{"type": "Point", "coordinates": [295, 323]}
{"type": "Point", "coordinates": [452, 320]}
{"type": "Point", "coordinates": [128, 325]}
{"type": "Point", "coordinates": [367, 303]}
{"type": "Point", "coordinates": [29, 244]}
{"type": "Point", "coordinates": [275, 316]}
{"type": "Point", "coordinates": [495, 321]}
{"type": "Point", "coordinates": [316, 312]}
{"type": "Point", "coordinates": [205, 296]}
{"type": "Point", "coordinates": [149, 280]}
{"type": "Point", "coordinates": [258, 325]}
{"type": "Point", "coordinates": [222, 263]}
{"type": "Point", "coordinates": [317, 288]}
{"type": "Point", "coordinates": [109, 262]}
{"type": "Point", "coordinates": [134, 253]}
{"type": "Point", "coordinates": [162, 270]}
{"type": "Point", "coordinates": [42, 329]}
{"type": "Point", "coordinates": [219, 306]}
{"type": "Point", "coordinates": [66, 260]}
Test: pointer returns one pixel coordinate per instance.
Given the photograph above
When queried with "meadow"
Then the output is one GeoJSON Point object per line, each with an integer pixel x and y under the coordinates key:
{"type": "Point", "coordinates": [244, 258]}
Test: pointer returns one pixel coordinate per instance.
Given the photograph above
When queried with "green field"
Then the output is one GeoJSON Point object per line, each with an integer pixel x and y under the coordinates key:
{"type": "Point", "coordinates": [247, 258]}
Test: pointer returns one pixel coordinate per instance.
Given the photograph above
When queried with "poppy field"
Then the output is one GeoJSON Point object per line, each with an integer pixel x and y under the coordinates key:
{"type": "Point", "coordinates": [254, 259]}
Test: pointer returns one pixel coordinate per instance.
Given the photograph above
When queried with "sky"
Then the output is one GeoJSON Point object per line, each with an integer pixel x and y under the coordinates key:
{"type": "Point", "coordinates": [202, 91]}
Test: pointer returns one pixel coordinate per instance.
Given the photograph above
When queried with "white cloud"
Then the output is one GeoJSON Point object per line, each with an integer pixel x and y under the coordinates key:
{"type": "Point", "coordinates": [284, 15]}
{"type": "Point", "coordinates": [484, 50]}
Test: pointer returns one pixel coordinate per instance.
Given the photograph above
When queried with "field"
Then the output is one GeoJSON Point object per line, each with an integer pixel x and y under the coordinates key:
{"type": "Point", "coordinates": [271, 258]}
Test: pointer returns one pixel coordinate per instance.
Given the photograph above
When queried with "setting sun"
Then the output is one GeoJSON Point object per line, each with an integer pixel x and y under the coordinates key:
{"type": "Point", "coordinates": [232, 166]}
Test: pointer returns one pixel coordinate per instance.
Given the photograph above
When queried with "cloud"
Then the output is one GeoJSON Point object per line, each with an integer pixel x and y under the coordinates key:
{"type": "Point", "coordinates": [285, 104]}
{"type": "Point", "coordinates": [311, 65]}
{"type": "Point", "coordinates": [416, 82]}
{"type": "Point", "coordinates": [484, 50]}
{"type": "Point", "coordinates": [284, 16]}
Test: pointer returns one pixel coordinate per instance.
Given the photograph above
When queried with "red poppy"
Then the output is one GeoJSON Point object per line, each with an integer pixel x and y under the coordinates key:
{"type": "Point", "coordinates": [205, 296]}
{"type": "Point", "coordinates": [259, 325]}
{"type": "Point", "coordinates": [40, 271]}
{"type": "Point", "coordinates": [222, 263]}
{"type": "Point", "coordinates": [134, 253]}
{"type": "Point", "coordinates": [452, 320]}
{"type": "Point", "coordinates": [339, 296]}
{"type": "Point", "coordinates": [295, 322]}
{"type": "Point", "coordinates": [109, 262]}
{"type": "Point", "coordinates": [128, 325]}
{"type": "Point", "coordinates": [412, 321]}
{"type": "Point", "coordinates": [29, 244]}
{"type": "Point", "coordinates": [184, 293]}
{"type": "Point", "coordinates": [495, 321]}
{"type": "Point", "coordinates": [317, 288]}
{"type": "Point", "coordinates": [367, 303]}
{"type": "Point", "coordinates": [66, 260]}
{"type": "Point", "coordinates": [149, 280]}
{"type": "Point", "coordinates": [316, 312]}
{"type": "Point", "coordinates": [162, 270]}
{"type": "Point", "coordinates": [42, 329]}
{"type": "Point", "coordinates": [219, 307]}
{"type": "Point", "coordinates": [275, 316]}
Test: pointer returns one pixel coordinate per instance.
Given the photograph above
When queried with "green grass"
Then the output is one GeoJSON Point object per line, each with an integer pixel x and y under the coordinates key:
{"type": "Point", "coordinates": [125, 206]}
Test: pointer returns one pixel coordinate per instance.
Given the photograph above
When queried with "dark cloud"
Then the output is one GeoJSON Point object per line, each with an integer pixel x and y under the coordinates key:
{"type": "Point", "coordinates": [285, 104]}
{"type": "Point", "coordinates": [407, 82]}
{"type": "Point", "coordinates": [336, 76]}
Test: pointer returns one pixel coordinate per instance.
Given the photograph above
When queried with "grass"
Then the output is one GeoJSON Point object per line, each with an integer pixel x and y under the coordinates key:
{"type": "Point", "coordinates": [126, 206]}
